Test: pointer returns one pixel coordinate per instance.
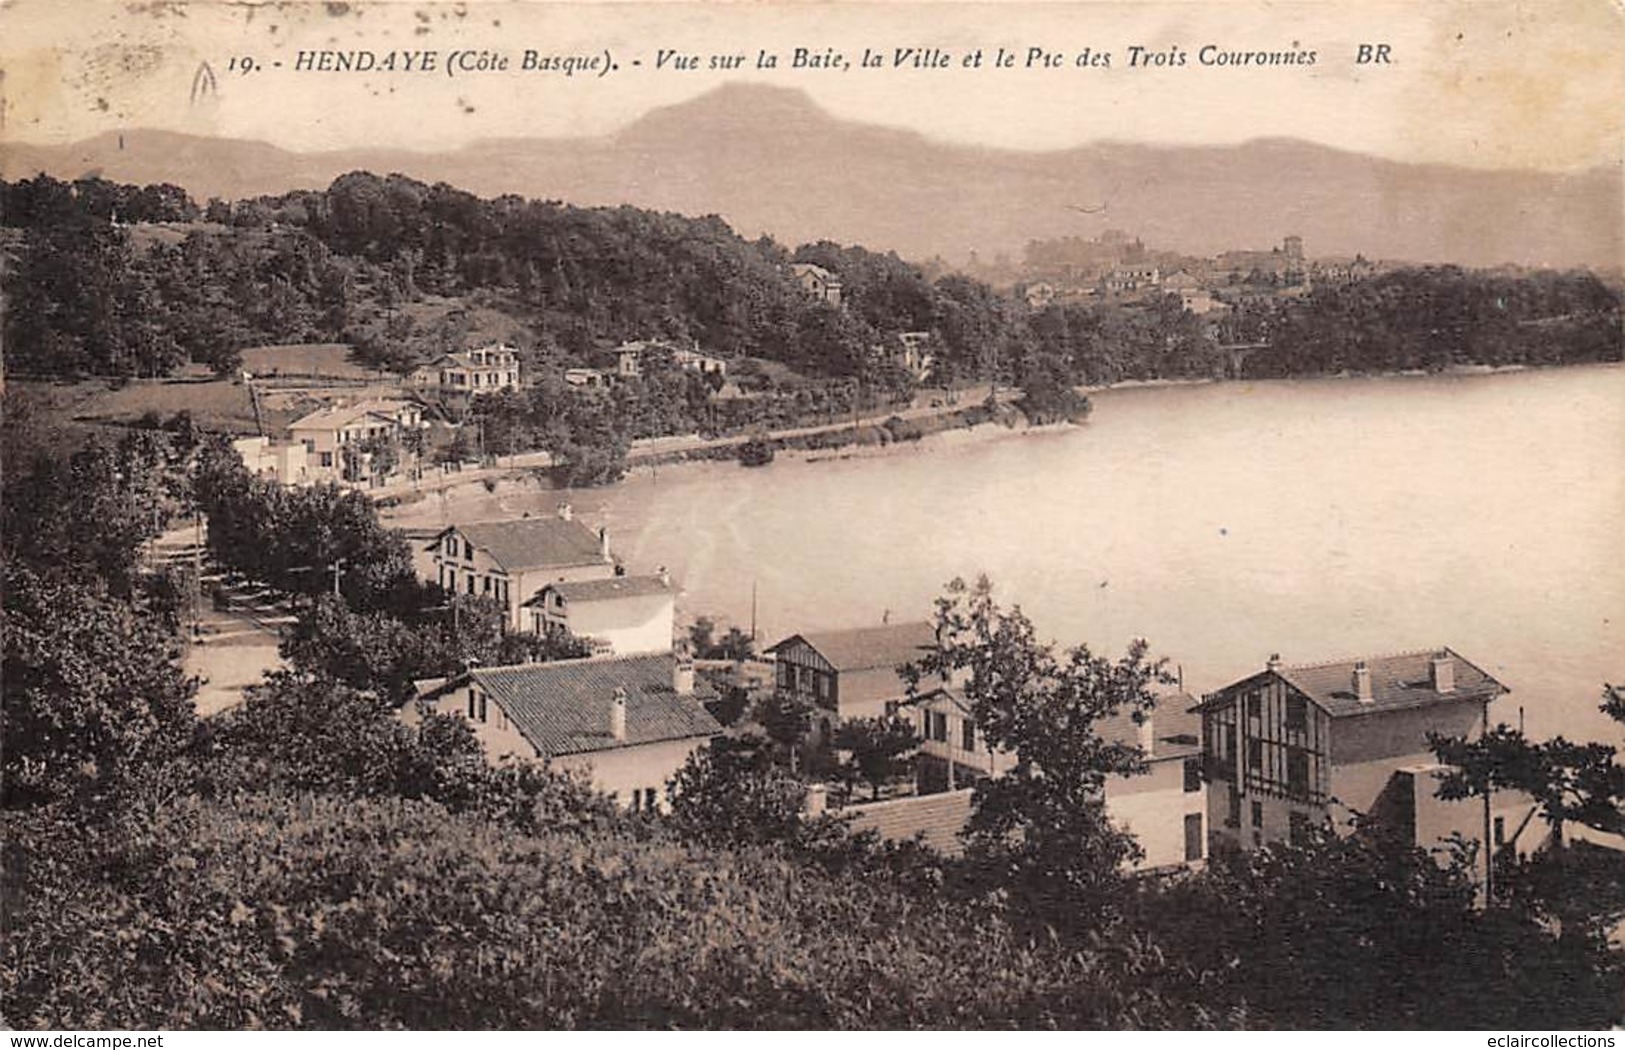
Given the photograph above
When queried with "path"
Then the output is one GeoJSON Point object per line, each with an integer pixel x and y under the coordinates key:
{"type": "Point", "coordinates": [235, 642]}
{"type": "Point", "coordinates": [645, 449]}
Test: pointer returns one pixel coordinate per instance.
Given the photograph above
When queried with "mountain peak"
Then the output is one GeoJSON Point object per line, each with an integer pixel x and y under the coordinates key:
{"type": "Point", "coordinates": [733, 108]}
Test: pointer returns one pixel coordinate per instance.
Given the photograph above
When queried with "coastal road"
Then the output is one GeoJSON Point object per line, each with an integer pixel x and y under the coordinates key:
{"type": "Point", "coordinates": [644, 449]}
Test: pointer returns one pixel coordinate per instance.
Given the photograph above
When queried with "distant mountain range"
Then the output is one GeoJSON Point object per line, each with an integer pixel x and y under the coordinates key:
{"type": "Point", "coordinates": [770, 160]}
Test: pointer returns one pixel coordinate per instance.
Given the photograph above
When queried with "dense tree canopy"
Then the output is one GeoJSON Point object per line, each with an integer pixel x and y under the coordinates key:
{"type": "Point", "coordinates": [94, 291]}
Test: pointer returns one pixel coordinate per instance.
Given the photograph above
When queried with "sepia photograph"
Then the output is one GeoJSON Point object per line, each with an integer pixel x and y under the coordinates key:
{"type": "Point", "coordinates": [833, 516]}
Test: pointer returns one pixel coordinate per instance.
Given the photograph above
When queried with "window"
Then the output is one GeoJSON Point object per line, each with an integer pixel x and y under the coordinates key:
{"type": "Point", "coordinates": [1193, 836]}
{"type": "Point", "coordinates": [1500, 832]}
{"type": "Point", "coordinates": [451, 546]}
{"type": "Point", "coordinates": [470, 583]}
{"type": "Point", "coordinates": [487, 586]}
{"type": "Point", "coordinates": [1298, 828]}
{"type": "Point", "coordinates": [1234, 818]}
{"type": "Point", "coordinates": [482, 707]}
{"type": "Point", "coordinates": [821, 685]}
{"type": "Point", "coordinates": [1255, 705]}
{"type": "Point", "coordinates": [1193, 775]}
{"type": "Point", "coordinates": [939, 726]}
{"type": "Point", "coordinates": [471, 705]}
{"type": "Point", "coordinates": [967, 735]}
{"type": "Point", "coordinates": [1258, 814]}
{"type": "Point", "coordinates": [1297, 714]}
{"type": "Point", "coordinates": [1297, 772]}
{"type": "Point", "coordinates": [468, 550]}
{"type": "Point", "coordinates": [1255, 754]}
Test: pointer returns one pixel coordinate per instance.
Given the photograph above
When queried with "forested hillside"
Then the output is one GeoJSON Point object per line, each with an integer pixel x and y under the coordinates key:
{"type": "Point", "coordinates": [135, 281]}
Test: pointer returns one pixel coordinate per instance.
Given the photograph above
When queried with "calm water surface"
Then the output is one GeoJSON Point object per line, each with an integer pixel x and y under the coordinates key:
{"type": "Point", "coordinates": [1224, 522]}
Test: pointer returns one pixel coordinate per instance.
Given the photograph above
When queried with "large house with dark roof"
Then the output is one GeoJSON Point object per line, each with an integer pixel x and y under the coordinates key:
{"type": "Point", "coordinates": [852, 673]}
{"type": "Point", "coordinates": [628, 723]}
{"type": "Point", "coordinates": [621, 615]}
{"type": "Point", "coordinates": [511, 561]}
{"type": "Point", "coordinates": [1165, 807]}
{"type": "Point", "coordinates": [1302, 745]}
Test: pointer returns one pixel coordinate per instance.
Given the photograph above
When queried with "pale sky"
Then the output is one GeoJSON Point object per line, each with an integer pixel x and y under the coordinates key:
{"type": "Point", "coordinates": [1484, 84]}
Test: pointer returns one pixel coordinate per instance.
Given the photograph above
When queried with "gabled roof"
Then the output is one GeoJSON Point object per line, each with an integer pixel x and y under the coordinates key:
{"type": "Point", "coordinates": [1399, 681]}
{"type": "Point", "coordinates": [890, 645]}
{"type": "Point", "coordinates": [616, 588]}
{"type": "Point", "coordinates": [817, 271]}
{"type": "Point", "coordinates": [1176, 728]}
{"type": "Point", "coordinates": [563, 707]}
{"type": "Point", "coordinates": [533, 543]}
{"type": "Point", "coordinates": [335, 417]}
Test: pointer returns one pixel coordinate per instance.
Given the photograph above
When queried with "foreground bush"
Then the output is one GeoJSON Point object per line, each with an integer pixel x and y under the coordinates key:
{"type": "Point", "coordinates": [306, 911]}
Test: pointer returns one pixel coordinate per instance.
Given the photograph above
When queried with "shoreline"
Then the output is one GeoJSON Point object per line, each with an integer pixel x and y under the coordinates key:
{"type": "Point", "coordinates": [808, 445]}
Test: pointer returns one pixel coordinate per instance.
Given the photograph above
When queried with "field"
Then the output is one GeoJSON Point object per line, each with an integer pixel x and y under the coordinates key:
{"type": "Point", "coordinates": [215, 405]}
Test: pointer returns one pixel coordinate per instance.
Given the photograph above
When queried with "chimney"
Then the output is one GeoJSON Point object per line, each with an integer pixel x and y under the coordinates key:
{"type": "Point", "coordinates": [817, 798]}
{"type": "Point", "coordinates": [682, 677]}
{"type": "Point", "coordinates": [603, 542]}
{"type": "Point", "coordinates": [1443, 672]}
{"type": "Point", "coordinates": [1148, 735]}
{"type": "Point", "coordinates": [617, 714]}
{"type": "Point", "coordinates": [1274, 663]}
{"type": "Point", "coordinates": [1362, 682]}
{"type": "Point", "coordinates": [665, 577]}
{"type": "Point", "coordinates": [566, 512]}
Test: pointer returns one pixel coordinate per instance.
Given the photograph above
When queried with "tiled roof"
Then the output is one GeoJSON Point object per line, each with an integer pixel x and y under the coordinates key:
{"type": "Point", "coordinates": [866, 647]}
{"type": "Point", "coordinates": [563, 707]}
{"type": "Point", "coordinates": [1398, 682]}
{"type": "Point", "coordinates": [936, 819]}
{"type": "Point", "coordinates": [615, 588]}
{"type": "Point", "coordinates": [814, 269]}
{"type": "Point", "coordinates": [336, 416]}
{"type": "Point", "coordinates": [535, 543]}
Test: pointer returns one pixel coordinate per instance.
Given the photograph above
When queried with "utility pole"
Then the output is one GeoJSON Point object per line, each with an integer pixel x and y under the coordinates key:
{"type": "Point", "coordinates": [338, 571]}
{"type": "Point", "coordinates": [1489, 828]}
{"type": "Point", "coordinates": [197, 571]}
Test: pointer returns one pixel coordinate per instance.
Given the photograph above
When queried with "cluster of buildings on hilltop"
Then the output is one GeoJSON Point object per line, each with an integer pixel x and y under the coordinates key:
{"type": "Point", "coordinates": [1117, 269]}
{"type": "Point", "coordinates": [1259, 761]}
